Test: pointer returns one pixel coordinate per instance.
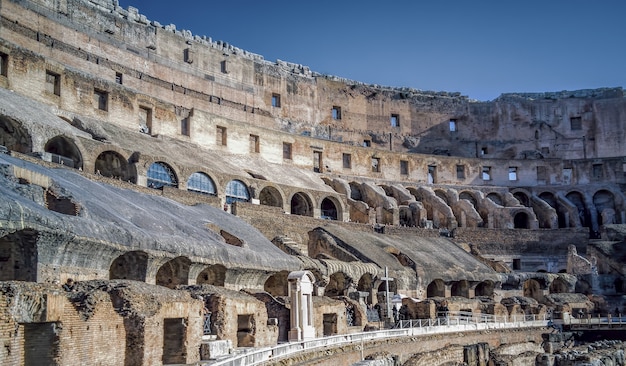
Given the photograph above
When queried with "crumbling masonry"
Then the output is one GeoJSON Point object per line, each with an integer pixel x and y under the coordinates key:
{"type": "Point", "coordinates": [180, 181]}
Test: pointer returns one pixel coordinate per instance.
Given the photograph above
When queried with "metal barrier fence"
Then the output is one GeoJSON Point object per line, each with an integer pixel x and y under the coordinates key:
{"type": "Point", "coordinates": [460, 322]}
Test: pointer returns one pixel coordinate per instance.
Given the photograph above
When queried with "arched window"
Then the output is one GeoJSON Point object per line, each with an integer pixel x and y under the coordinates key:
{"type": "Point", "coordinates": [236, 190]}
{"type": "Point", "coordinates": [201, 183]}
{"type": "Point", "coordinates": [160, 174]}
{"type": "Point", "coordinates": [329, 210]}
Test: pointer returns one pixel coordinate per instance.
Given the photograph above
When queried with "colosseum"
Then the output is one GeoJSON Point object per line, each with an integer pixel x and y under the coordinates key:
{"type": "Point", "coordinates": [170, 199]}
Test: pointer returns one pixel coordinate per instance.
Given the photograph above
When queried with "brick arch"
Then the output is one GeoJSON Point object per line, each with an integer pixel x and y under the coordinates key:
{"type": "Point", "coordinates": [66, 150]}
{"type": "Point", "coordinates": [522, 196]}
{"type": "Point", "coordinates": [212, 275]}
{"type": "Point", "coordinates": [277, 284]}
{"type": "Point", "coordinates": [272, 195]}
{"type": "Point", "coordinates": [471, 197]}
{"type": "Point", "coordinates": [111, 163]}
{"type": "Point", "coordinates": [302, 203]}
{"type": "Point", "coordinates": [174, 272]}
{"type": "Point", "coordinates": [436, 288]}
{"type": "Point", "coordinates": [163, 175]}
{"type": "Point", "coordinates": [201, 182]}
{"type": "Point", "coordinates": [496, 198]}
{"type": "Point", "coordinates": [15, 136]}
{"type": "Point", "coordinates": [443, 195]}
{"type": "Point", "coordinates": [338, 284]}
{"type": "Point", "coordinates": [144, 164]}
{"type": "Point", "coordinates": [130, 266]}
{"type": "Point", "coordinates": [338, 205]}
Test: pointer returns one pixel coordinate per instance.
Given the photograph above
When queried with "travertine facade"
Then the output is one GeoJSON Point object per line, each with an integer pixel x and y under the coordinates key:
{"type": "Point", "coordinates": [144, 155]}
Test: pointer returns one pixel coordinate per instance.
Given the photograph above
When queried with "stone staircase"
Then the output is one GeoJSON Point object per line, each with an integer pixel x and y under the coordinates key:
{"type": "Point", "coordinates": [290, 246]}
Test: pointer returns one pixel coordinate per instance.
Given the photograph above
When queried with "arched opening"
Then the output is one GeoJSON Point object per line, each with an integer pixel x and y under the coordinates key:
{"type": "Point", "coordinates": [329, 210]}
{"type": "Point", "coordinates": [495, 198]}
{"type": "Point", "coordinates": [460, 288]}
{"type": "Point", "coordinates": [532, 288]}
{"type": "Point", "coordinates": [301, 205]}
{"type": "Point", "coordinates": [522, 198]}
{"type": "Point", "coordinates": [173, 273]}
{"type": "Point", "coordinates": [270, 196]}
{"type": "Point", "coordinates": [366, 283]}
{"type": "Point", "coordinates": [579, 201]}
{"type": "Point", "coordinates": [436, 288]}
{"type": "Point", "coordinates": [337, 285]}
{"type": "Point", "coordinates": [237, 191]}
{"type": "Point", "coordinates": [468, 196]}
{"type": "Point", "coordinates": [442, 194]}
{"type": "Point", "coordinates": [130, 266]}
{"type": "Point", "coordinates": [277, 284]}
{"type": "Point", "coordinates": [484, 288]}
{"type": "Point", "coordinates": [520, 220]}
{"type": "Point", "coordinates": [392, 287]}
{"type": "Point", "coordinates": [214, 275]}
{"type": "Point", "coordinates": [201, 183]}
{"type": "Point", "coordinates": [18, 256]}
{"type": "Point", "coordinates": [112, 164]}
{"type": "Point", "coordinates": [604, 202]}
{"type": "Point", "coordinates": [549, 198]}
{"type": "Point", "coordinates": [64, 151]}
{"type": "Point", "coordinates": [559, 286]}
{"type": "Point", "coordinates": [160, 175]}
{"type": "Point", "coordinates": [13, 136]}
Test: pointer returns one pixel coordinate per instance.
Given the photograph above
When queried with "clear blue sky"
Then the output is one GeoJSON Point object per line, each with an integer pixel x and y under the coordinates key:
{"type": "Point", "coordinates": [480, 48]}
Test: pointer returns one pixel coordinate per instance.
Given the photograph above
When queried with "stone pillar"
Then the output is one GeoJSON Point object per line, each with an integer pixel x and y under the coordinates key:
{"type": "Point", "coordinates": [301, 295]}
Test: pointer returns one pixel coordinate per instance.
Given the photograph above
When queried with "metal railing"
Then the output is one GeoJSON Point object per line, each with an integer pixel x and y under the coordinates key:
{"type": "Point", "coordinates": [414, 327]}
{"type": "Point", "coordinates": [464, 318]}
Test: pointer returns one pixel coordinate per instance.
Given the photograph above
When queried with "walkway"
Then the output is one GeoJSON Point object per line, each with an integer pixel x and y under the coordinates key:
{"type": "Point", "coordinates": [458, 322]}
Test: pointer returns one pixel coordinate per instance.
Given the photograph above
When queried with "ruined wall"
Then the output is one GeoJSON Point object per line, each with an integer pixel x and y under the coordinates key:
{"type": "Point", "coordinates": [536, 249]}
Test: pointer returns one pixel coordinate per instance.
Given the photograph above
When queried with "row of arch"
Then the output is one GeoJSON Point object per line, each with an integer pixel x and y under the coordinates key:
{"type": "Point", "coordinates": [573, 209]}
{"type": "Point", "coordinates": [160, 174]}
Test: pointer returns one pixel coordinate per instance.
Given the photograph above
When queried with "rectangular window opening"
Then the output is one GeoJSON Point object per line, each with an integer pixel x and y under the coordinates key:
{"type": "Point", "coordinates": [336, 113]}
{"type": "Point", "coordinates": [432, 174]}
{"type": "Point", "coordinates": [512, 173]}
{"type": "Point", "coordinates": [517, 264]}
{"type": "Point", "coordinates": [101, 99]}
{"type": "Point", "coordinates": [347, 161]}
{"type": "Point", "coordinates": [254, 143]}
{"type": "Point", "coordinates": [276, 100]}
{"type": "Point", "coordinates": [118, 78]}
{"type": "Point", "coordinates": [287, 148]}
{"type": "Point", "coordinates": [317, 161]}
{"type": "Point", "coordinates": [597, 171]}
{"type": "Point", "coordinates": [184, 126]}
{"type": "Point", "coordinates": [367, 143]}
{"type": "Point", "coordinates": [404, 167]}
{"type": "Point", "coordinates": [220, 135]}
{"type": "Point", "coordinates": [224, 67]}
{"type": "Point", "coordinates": [486, 174]}
{"type": "Point", "coordinates": [395, 120]}
{"type": "Point", "coordinates": [483, 151]}
{"type": "Point", "coordinates": [145, 120]}
{"type": "Point", "coordinates": [460, 172]}
{"type": "Point", "coordinates": [576, 123]}
{"type": "Point", "coordinates": [452, 125]}
{"type": "Point", "coordinates": [375, 165]}
{"type": "Point", "coordinates": [4, 64]}
{"type": "Point", "coordinates": [53, 83]}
